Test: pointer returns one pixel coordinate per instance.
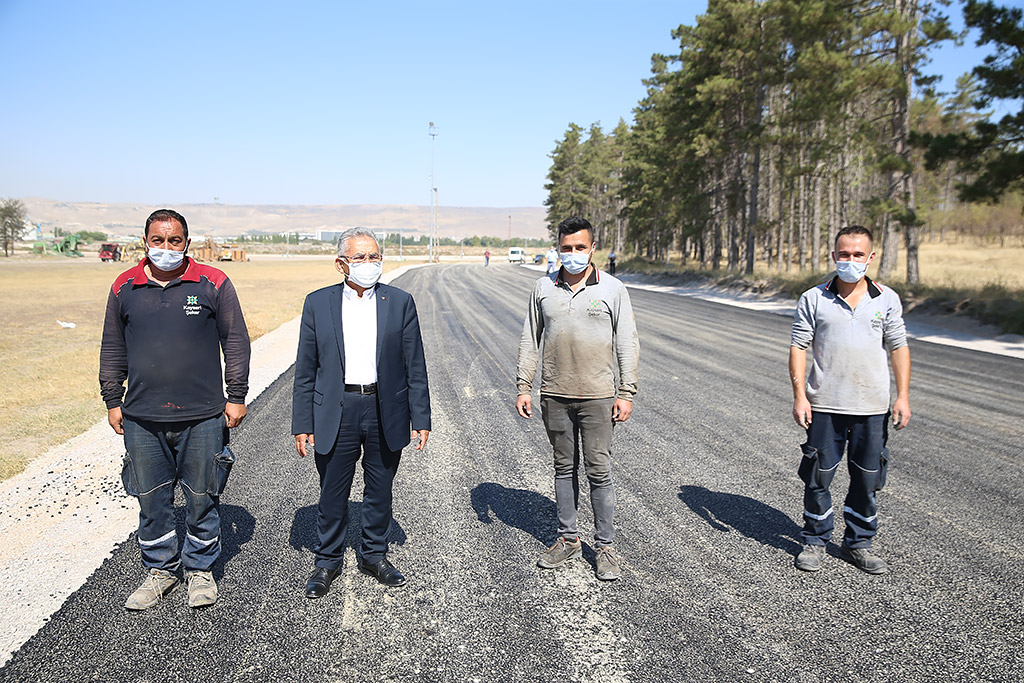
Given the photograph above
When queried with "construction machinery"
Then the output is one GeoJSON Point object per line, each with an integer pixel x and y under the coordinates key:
{"type": "Point", "coordinates": [66, 245]}
{"type": "Point", "coordinates": [212, 251]}
{"type": "Point", "coordinates": [110, 251]}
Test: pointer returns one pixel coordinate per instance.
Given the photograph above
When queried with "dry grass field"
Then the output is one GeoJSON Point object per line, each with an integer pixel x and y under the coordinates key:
{"type": "Point", "coordinates": [49, 373]}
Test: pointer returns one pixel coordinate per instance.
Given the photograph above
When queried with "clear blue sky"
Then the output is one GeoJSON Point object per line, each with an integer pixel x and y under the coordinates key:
{"type": "Point", "coordinates": [318, 102]}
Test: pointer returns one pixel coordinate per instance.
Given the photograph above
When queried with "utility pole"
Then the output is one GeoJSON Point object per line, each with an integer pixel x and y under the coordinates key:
{"type": "Point", "coordinates": [510, 231]}
{"type": "Point", "coordinates": [432, 131]}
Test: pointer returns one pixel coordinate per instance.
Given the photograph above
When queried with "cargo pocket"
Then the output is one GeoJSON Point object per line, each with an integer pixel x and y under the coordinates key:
{"type": "Point", "coordinates": [222, 463]}
{"type": "Point", "coordinates": [809, 471]}
{"type": "Point", "coordinates": [883, 470]}
{"type": "Point", "coordinates": [128, 478]}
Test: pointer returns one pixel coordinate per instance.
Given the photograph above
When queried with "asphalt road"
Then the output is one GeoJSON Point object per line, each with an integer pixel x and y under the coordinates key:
{"type": "Point", "coordinates": [708, 511]}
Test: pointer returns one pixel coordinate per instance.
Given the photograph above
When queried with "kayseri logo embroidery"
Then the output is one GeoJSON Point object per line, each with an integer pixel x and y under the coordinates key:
{"type": "Point", "coordinates": [596, 309]}
{"type": "Point", "coordinates": [192, 306]}
{"type": "Point", "coordinates": [877, 321]}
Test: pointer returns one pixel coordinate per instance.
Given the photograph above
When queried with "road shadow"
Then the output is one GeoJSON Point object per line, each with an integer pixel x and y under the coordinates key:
{"type": "Point", "coordinates": [527, 510]}
{"type": "Point", "coordinates": [302, 535]}
{"type": "Point", "coordinates": [752, 518]}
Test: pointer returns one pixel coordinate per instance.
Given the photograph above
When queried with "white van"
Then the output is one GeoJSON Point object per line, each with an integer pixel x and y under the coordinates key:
{"type": "Point", "coordinates": [516, 255]}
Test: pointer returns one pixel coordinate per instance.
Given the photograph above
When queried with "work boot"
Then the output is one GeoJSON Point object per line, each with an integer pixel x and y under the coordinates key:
{"type": "Point", "coordinates": [202, 589]}
{"type": "Point", "coordinates": [607, 564]}
{"type": "Point", "coordinates": [809, 559]}
{"type": "Point", "coordinates": [158, 583]}
{"type": "Point", "coordinates": [864, 560]}
{"type": "Point", "coordinates": [561, 552]}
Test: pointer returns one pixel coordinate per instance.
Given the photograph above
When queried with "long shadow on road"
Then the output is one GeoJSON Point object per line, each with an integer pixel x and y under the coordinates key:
{"type": "Point", "coordinates": [750, 517]}
{"type": "Point", "coordinates": [526, 510]}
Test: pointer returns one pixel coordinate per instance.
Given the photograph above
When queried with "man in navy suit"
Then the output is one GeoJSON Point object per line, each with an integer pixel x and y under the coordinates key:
{"type": "Point", "coordinates": [360, 384]}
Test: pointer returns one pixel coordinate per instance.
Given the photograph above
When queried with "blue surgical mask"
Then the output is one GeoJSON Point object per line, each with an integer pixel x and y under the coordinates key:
{"type": "Point", "coordinates": [576, 262]}
{"type": "Point", "coordinates": [165, 259]}
{"type": "Point", "coordinates": [851, 272]}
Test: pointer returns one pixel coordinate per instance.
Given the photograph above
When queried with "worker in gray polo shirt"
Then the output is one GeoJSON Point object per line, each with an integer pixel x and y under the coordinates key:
{"type": "Point", "coordinates": [580, 329]}
{"type": "Point", "coordinates": [849, 324]}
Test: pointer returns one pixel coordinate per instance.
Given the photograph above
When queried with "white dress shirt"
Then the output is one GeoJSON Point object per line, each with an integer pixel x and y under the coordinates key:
{"type": "Point", "coordinates": [359, 327]}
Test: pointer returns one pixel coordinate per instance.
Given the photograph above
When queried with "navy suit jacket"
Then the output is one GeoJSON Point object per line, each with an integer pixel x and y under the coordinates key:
{"type": "Point", "coordinates": [318, 396]}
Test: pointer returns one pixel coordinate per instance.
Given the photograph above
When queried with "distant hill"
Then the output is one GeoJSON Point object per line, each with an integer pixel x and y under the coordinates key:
{"type": "Point", "coordinates": [226, 220]}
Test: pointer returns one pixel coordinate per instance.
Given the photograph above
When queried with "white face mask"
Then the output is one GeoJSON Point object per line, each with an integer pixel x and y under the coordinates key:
{"type": "Point", "coordinates": [851, 272]}
{"type": "Point", "coordinates": [165, 259]}
{"type": "Point", "coordinates": [576, 262]}
{"type": "Point", "coordinates": [365, 274]}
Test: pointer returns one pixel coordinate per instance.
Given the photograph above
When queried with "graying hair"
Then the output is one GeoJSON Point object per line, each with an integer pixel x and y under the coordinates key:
{"type": "Point", "coordinates": [344, 237]}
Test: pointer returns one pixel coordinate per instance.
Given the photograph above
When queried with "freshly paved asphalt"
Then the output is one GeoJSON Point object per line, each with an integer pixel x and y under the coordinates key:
{"type": "Point", "coordinates": [708, 512]}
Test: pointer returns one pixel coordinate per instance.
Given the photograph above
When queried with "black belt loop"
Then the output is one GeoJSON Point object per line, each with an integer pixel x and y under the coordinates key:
{"type": "Point", "coordinates": [361, 388]}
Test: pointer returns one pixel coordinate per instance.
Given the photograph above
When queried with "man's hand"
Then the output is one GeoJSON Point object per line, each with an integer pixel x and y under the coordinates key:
{"type": "Point", "coordinates": [421, 435]}
{"type": "Point", "coordinates": [621, 410]}
{"type": "Point", "coordinates": [802, 412]}
{"type": "Point", "coordinates": [300, 444]}
{"type": "Point", "coordinates": [524, 405]}
{"type": "Point", "coordinates": [234, 413]}
{"type": "Point", "coordinates": [901, 412]}
{"type": "Point", "coordinates": [116, 419]}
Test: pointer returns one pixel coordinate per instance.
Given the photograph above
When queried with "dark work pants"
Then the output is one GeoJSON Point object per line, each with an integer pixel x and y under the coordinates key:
{"type": "Point", "coordinates": [830, 434]}
{"type": "Point", "coordinates": [572, 423]}
{"type": "Point", "coordinates": [360, 432]}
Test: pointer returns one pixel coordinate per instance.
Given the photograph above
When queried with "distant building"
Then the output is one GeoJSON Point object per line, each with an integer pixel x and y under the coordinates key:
{"type": "Point", "coordinates": [328, 235]}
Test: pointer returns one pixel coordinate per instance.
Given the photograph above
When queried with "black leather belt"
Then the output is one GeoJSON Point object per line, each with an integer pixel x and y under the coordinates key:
{"type": "Point", "coordinates": [361, 388]}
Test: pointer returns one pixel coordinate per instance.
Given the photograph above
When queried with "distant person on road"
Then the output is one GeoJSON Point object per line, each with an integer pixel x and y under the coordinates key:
{"type": "Point", "coordinates": [583, 320]}
{"type": "Point", "coordinates": [487, 257]}
{"type": "Point", "coordinates": [167, 321]}
{"type": "Point", "coordinates": [552, 259]}
{"type": "Point", "coordinates": [612, 256]}
{"type": "Point", "coordinates": [360, 382]}
{"type": "Point", "coordinates": [848, 323]}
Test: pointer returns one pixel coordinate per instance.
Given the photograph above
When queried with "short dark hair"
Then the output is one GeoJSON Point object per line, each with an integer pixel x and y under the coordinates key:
{"type": "Point", "coordinates": [854, 230]}
{"type": "Point", "coordinates": [574, 224]}
{"type": "Point", "coordinates": [166, 215]}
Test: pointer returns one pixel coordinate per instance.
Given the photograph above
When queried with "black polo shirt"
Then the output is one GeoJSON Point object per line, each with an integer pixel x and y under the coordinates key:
{"type": "Point", "coordinates": [166, 341]}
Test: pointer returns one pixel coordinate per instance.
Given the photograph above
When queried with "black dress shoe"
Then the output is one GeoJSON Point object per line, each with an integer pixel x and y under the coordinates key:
{"type": "Point", "coordinates": [383, 571]}
{"type": "Point", "coordinates": [319, 582]}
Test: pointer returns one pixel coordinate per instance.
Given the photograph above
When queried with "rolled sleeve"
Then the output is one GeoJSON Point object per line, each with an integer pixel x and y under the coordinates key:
{"type": "Point", "coordinates": [894, 334]}
{"type": "Point", "coordinates": [802, 333]}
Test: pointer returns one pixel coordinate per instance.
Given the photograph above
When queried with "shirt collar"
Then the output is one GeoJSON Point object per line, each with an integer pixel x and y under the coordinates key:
{"type": "Point", "coordinates": [140, 278]}
{"type": "Point", "coordinates": [351, 293]}
{"type": "Point", "coordinates": [873, 289]}
{"type": "Point", "coordinates": [592, 279]}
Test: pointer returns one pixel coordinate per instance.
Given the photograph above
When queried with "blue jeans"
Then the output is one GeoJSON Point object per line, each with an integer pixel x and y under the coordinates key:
{"type": "Point", "coordinates": [572, 423]}
{"type": "Point", "coordinates": [160, 454]}
{"type": "Point", "coordinates": [864, 437]}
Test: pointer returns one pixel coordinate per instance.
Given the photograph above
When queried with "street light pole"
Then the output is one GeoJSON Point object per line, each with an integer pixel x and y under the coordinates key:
{"type": "Point", "coordinates": [432, 131]}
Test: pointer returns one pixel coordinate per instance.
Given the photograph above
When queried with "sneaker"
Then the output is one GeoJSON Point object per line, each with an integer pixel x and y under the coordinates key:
{"type": "Point", "coordinates": [202, 589]}
{"type": "Point", "coordinates": [158, 583]}
{"type": "Point", "coordinates": [864, 560]}
{"type": "Point", "coordinates": [561, 552]}
{"type": "Point", "coordinates": [607, 564]}
{"type": "Point", "coordinates": [809, 559]}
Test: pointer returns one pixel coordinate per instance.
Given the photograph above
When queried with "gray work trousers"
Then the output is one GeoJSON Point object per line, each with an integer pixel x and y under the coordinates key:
{"type": "Point", "coordinates": [576, 425]}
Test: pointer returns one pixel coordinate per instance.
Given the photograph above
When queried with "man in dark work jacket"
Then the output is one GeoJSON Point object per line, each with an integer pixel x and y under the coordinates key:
{"type": "Point", "coordinates": [360, 384]}
{"type": "Point", "coordinates": [167, 320]}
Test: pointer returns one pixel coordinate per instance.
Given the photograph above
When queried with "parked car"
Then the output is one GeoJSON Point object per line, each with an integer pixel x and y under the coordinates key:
{"type": "Point", "coordinates": [539, 259]}
{"type": "Point", "coordinates": [516, 255]}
